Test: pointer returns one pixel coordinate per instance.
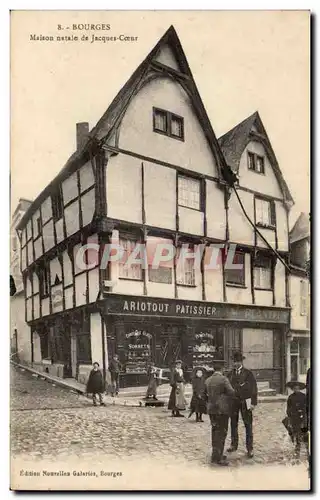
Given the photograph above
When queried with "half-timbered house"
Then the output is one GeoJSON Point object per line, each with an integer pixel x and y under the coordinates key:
{"type": "Point", "coordinates": [152, 171]}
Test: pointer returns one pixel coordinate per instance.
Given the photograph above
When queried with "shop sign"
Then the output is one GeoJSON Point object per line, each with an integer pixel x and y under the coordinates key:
{"type": "Point", "coordinates": [126, 305]}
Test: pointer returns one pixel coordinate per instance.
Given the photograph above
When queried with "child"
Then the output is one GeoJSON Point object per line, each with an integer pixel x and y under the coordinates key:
{"type": "Point", "coordinates": [95, 384]}
{"type": "Point", "coordinates": [153, 382]}
{"type": "Point", "coordinates": [198, 401]}
{"type": "Point", "coordinates": [296, 412]}
{"type": "Point", "coordinates": [114, 369]}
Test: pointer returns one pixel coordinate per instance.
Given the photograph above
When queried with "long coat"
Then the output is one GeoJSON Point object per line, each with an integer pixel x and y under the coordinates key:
{"type": "Point", "coordinates": [95, 384]}
{"type": "Point", "coordinates": [244, 384]}
{"type": "Point", "coordinates": [198, 401]}
{"type": "Point", "coordinates": [219, 393]}
{"type": "Point", "coordinates": [153, 382]}
{"type": "Point", "coordinates": [296, 411]}
{"type": "Point", "coordinates": [176, 399]}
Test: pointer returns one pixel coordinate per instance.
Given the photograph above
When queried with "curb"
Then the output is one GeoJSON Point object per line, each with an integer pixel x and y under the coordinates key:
{"type": "Point", "coordinates": [136, 401]}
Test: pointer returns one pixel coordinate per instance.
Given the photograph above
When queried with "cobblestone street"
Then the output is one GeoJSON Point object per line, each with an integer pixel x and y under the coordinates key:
{"type": "Point", "coordinates": [54, 424]}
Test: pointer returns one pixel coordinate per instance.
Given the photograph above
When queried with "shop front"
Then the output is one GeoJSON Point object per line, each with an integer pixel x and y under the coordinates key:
{"type": "Point", "coordinates": [141, 330]}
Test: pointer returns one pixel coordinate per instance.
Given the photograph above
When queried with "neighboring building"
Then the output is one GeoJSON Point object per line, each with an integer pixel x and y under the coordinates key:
{"type": "Point", "coordinates": [20, 333]}
{"type": "Point", "coordinates": [298, 345]}
{"type": "Point", "coordinates": [152, 171]}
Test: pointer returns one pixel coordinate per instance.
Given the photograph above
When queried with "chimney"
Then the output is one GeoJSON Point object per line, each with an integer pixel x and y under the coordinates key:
{"type": "Point", "coordinates": [82, 134]}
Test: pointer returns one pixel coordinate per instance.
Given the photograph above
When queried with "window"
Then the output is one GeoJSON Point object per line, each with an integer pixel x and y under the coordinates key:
{"type": "Point", "coordinates": [303, 297]}
{"type": "Point", "coordinates": [255, 162]}
{"type": "Point", "coordinates": [236, 276]}
{"type": "Point", "coordinates": [265, 212]}
{"type": "Point", "coordinates": [189, 192]}
{"type": "Point", "coordinates": [168, 124]}
{"type": "Point", "coordinates": [57, 204]}
{"type": "Point", "coordinates": [263, 272]}
{"type": "Point", "coordinates": [185, 270]}
{"type": "Point", "coordinates": [44, 281]}
{"type": "Point", "coordinates": [131, 271]}
{"type": "Point", "coordinates": [160, 275]}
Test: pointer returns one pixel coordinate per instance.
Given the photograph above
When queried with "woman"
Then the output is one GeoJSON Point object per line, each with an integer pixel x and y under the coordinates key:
{"type": "Point", "coordinates": [177, 400]}
{"type": "Point", "coordinates": [198, 401]}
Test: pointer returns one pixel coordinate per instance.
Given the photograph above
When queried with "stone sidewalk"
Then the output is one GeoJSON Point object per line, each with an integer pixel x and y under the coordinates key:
{"type": "Point", "coordinates": [130, 396]}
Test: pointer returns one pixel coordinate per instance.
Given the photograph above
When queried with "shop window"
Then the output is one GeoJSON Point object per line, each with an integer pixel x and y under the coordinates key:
{"type": "Point", "coordinates": [189, 192]}
{"type": "Point", "coordinates": [185, 269]}
{"type": "Point", "coordinates": [256, 163]}
{"type": "Point", "coordinates": [131, 271]}
{"type": "Point", "coordinates": [265, 212]}
{"type": "Point", "coordinates": [303, 297]}
{"type": "Point", "coordinates": [263, 268]}
{"type": "Point", "coordinates": [168, 123]}
{"type": "Point", "coordinates": [160, 275]}
{"type": "Point", "coordinates": [208, 346]}
{"type": "Point", "coordinates": [236, 276]}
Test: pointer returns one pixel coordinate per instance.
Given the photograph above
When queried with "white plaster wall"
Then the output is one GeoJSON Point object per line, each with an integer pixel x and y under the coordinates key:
{"type": "Point", "coordinates": [129, 287]}
{"type": "Point", "coordinates": [70, 188]}
{"type": "Point", "coordinates": [280, 284]}
{"type": "Point", "coordinates": [282, 227]}
{"type": "Point", "coordinates": [88, 207]}
{"type": "Point", "coordinates": [29, 309]}
{"type": "Point", "coordinates": [96, 338]}
{"type": "Point", "coordinates": [263, 297]}
{"type": "Point", "coordinates": [17, 320]}
{"type": "Point", "coordinates": [59, 230]}
{"type": "Point", "coordinates": [240, 230]}
{"type": "Point", "coordinates": [30, 252]}
{"type": "Point", "coordinates": [68, 292]}
{"type": "Point", "coordinates": [36, 306]}
{"type": "Point", "coordinates": [48, 236]}
{"type": "Point", "coordinates": [81, 286]}
{"type": "Point", "coordinates": [190, 221]}
{"type": "Point", "coordinates": [166, 56]}
{"type": "Point", "coordinates": [298, 321]}
{"type": "Point", "coordinates": [38, 248]}
{"type": "Point", "coordinates": [86, 176]}
{"type": "Point", "coordinates": [160, 195]}
{"type": "Point", "coordinates": [193, 153]}
{"type": "Point", "coordinates": [93, 284]}
{"type": "Point", "coordinates": [46, 210]}
{"type": "Point", "coordinates": [124, 188]}
{"type": "Point", "coordinates": [71, 214]}
{"type": "Point", "coordinates": [67, 269]}
{"type": "Point", "coordinates": [215, 211]}
{"type": "Point", "coordinates": [270, 236]}
{"type": "Point", "coordinates": [45, 307]}
{"type": "Point", "coordinates": [213, 276]}
{"type": "Point", "coordinates": [263, 183]}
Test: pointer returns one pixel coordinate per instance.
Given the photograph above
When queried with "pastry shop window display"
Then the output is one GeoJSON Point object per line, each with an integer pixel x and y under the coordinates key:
{"type": "Point", "coordinates": [208, 346]}
{"type": "Point", "coordinates": [138, 352]}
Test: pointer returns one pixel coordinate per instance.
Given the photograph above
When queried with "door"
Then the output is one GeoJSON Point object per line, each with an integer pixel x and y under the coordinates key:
{"type": "Point", "coordinates": [168, 345]}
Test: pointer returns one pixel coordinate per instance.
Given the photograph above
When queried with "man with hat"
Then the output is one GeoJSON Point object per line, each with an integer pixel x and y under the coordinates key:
{"type": "Point", "coordinates": [218, 392]}
{"type": "Point", "coordinates": [297, 415]}
{"type": "Point", "coordinates": [245, 400]}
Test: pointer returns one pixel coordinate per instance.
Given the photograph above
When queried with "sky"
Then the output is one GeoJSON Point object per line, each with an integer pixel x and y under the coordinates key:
{"type": "Point", "coordinates": [242, 61]}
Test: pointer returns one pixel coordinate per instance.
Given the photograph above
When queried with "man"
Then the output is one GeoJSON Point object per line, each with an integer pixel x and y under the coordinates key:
{"type": "Point", "coordinates": [114, 369]}
{"type": "Point", "coordinates": [245, 400]}
{"type": "Point", "coordinates": [218, 392]}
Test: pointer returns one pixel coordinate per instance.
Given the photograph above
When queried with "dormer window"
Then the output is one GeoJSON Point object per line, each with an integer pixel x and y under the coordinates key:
{"type": "Point", "coordinates": [255, 162]}
{"type": "Point", "coordinates": [167, 123]}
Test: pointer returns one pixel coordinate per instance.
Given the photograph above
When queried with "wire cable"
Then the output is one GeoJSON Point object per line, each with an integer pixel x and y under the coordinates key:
{"type": "Point", "coordinates": [258, 232]}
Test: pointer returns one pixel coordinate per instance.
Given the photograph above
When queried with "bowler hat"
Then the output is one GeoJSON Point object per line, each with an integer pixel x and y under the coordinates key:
{"type": "Point", "coordinates": [238, 356]}
{"type": "Point", "coordinates": [218, 363]}
{"type": "Point", "coordinates": [295, 383]}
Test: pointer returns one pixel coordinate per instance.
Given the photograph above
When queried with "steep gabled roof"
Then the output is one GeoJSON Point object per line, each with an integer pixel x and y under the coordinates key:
{"type": "Point", "coordinates": [234, 142]}
{"type": "Point", "coordinates": [108, 121]}
{"type": "Point", "coordinates": [301, 228]}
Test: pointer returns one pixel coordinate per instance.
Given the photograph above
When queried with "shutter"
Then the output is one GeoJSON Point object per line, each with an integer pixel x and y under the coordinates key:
{"type": "Point", "coordinates": [273, 213]}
